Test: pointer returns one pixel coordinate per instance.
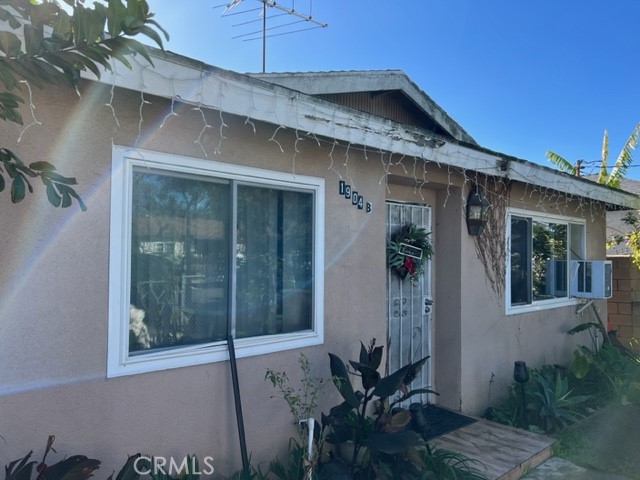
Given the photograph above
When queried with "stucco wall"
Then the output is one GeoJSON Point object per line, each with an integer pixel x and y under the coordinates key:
{"type": "Point", "coordinates": [54, 288]}
{"type": "Point", "coordinates": [54, 291]}
{"type": "Point", "coordinates": [493, 341]}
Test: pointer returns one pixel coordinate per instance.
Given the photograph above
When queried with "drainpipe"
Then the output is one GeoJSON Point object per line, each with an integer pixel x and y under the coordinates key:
{"type": "Point", "coordinates": [238, 403]}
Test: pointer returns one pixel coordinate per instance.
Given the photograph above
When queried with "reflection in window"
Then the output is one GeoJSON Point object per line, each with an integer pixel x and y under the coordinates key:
{"type": "Point", "coordinates": [549, 255]}
{"type": "Point", "coordinates": [183, 272]}
{"type": "Point", "coordinates": [538, 261]}
{"type": "Point", "coordinates": [274, 261]}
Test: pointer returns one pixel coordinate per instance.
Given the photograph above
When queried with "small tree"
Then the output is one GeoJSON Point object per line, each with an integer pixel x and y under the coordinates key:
{"type": "Point", "coordinates": [610, 179]}
{"type": "Point", "coordinates": [47, 45]}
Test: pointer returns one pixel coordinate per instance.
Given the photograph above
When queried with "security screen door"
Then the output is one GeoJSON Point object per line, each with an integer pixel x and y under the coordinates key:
{"type": "Point", "coordinates": [409, 303]}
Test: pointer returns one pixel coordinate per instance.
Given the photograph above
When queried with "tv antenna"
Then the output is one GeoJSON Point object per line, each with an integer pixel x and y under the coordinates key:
{"type": "Point", "coordinates": [287, 20]}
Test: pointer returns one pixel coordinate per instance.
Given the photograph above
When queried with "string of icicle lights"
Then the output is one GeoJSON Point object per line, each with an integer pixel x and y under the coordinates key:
{"type": "Point", "coordinates": [341, 151]}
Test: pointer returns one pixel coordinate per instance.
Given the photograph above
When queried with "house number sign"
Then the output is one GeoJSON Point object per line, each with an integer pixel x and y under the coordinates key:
{"type": "Point", "coordinates": [357, 200]}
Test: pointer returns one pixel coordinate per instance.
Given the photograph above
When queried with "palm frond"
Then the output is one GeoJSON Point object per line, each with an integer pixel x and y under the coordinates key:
{"type": "Point", "coordinates": [603, 176]}
{"type": "Point", "coordinates": [624, 159]}
{"type": "Point", "coordinates": [560, 162]}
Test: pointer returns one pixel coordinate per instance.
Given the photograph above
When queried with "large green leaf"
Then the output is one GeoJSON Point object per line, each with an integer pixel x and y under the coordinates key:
{"type": "Point", "coordinates": [93, 22]}
{"type": "Point", "coordinates": [9, 104]}
{"type": "Point", "coordinates": [560, 162]}
{"type": "Point", "coordinates": [26, 71]}
{"type": "Point", "coordinates": [18, 189]}
{"type": "Point", "coordinates": [625, 159]}
{"type": "Point", "coordinates": [413, 370]}
{"type": "Point", "coordinates": [128, 471]}
{"type": "Point", "coordinates": [369, 376]}
{"type": "Point", "coordinates": [52, 194]}
{"type": "Point", "coordinates": [32, 40]}
{"type": "Point", "coordinates": [116, 12]}
{"type": "Point", "coordinates": [20, 469]}
{"type": "Point", "coordinates": [6, 75]}
{"type": "Point", "coordinates": [390, 385]}
{"type": "Point", "coordinates": [76, 467]}
{"type": "Point", "coordinates": [62, 30]}
{"type": "Point", "coordinates": [10, 44]}
{"type": "Point", "coordinates": [584, 326]}
{"type": "Point", "coordinates": [342, 381]}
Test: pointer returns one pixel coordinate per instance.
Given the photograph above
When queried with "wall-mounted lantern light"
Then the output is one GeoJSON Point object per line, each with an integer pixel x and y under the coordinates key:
{"type": "Point", "coordinates": [477, 212]}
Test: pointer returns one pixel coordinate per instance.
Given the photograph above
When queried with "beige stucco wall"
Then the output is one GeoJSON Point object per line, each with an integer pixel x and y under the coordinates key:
{"type": "Point", "coordinates": [54, 290]}
{"type": "Point", "coordinates": [475, 344]}
{"type": "Point", "coordinates": [493, 341]}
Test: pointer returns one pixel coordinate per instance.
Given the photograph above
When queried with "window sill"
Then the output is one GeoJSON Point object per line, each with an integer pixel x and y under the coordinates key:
{"type": "Point", "coordinates": [542, 305]}
{"type": "Point", "coordinates": [209, 353]}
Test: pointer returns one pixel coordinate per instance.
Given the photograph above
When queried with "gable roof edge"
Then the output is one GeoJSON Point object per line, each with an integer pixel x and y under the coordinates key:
{"type": "Point", "coordinates": [357, 81]}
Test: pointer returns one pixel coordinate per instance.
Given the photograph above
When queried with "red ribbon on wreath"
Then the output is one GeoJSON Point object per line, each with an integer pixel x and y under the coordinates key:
{"type": "Point", "coordinates": [409, 265]}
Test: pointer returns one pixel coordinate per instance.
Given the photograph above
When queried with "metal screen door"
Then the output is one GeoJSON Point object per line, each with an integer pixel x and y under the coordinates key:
{"type": "Point", "coordinates": [409, 303]}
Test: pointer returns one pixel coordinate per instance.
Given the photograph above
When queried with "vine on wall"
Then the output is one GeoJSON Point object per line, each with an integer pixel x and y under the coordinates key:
{"type": "Point", "coordinates": [490, 244]}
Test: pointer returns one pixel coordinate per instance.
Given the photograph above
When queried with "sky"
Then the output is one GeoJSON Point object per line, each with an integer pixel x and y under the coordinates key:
{"type": "Point", "coordinates": [521, 77]}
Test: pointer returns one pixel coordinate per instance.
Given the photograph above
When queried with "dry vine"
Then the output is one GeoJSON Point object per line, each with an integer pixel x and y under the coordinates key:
{"type": "Point", "coordinates": [490, 245]}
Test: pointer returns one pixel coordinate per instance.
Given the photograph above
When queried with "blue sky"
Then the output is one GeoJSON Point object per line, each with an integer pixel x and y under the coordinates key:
{"type": "Point", "coordinates": [520, 77]}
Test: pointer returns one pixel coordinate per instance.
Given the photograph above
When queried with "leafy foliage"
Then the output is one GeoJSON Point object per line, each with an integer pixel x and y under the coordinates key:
{"type": "Point", "coordinates": [549, 402]}
{"type": "Point", "coordinates": [553, 402]}
{"type": "Point", "coordinates": [557, 396]}
{"type": "Point", "coordinates": [619, 169]}
{"type": "Point", "coordinates": [59, 191]}
{"type": "Point", "coordinates": [380, 444]}
{"type": "Point", "coordinates": [611, 375]}
{"type": "Point", "coordinates": [409, 239]}
{"type": "Point", "coordinates": [41, 44]}
{"type": "Point", "coordinates": [76, 467]}
{"type": "Point", "coordinates": [631, 237]}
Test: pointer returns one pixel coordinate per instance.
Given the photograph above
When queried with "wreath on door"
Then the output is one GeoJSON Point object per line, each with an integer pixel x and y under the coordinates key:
{"type": "Point", "coordinates": [408, 250]}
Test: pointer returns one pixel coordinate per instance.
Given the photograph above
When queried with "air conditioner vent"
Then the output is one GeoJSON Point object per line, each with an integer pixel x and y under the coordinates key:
{"type": "Point", "coordinates": [591, 278]}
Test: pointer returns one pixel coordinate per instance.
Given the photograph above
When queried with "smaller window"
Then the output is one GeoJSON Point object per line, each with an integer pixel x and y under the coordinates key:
{"type": "Point", "coordinates": [539, 248]}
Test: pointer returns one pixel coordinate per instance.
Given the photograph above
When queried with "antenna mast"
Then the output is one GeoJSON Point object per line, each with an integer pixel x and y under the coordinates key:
{"type": "Point", "coordinates": [264, 32]}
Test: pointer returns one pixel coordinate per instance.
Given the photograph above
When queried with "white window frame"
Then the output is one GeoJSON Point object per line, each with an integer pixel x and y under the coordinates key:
{"type": "Point", "coordinates": [537, 305]}
{"type": "Point", "coordinates": [119, 362]}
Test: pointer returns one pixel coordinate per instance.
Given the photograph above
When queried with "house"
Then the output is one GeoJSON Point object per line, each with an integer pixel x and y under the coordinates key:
{"type": "Point", "coordinates": [261, 205]}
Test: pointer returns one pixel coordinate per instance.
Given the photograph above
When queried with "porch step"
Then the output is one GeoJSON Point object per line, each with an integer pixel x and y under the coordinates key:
{"type": "Point", "coordinates": [502, 452]}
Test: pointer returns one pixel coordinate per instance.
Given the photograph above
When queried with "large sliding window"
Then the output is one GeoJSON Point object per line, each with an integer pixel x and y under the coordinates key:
{"type": "Point", "coordinates": [202, 250]}
{"type": "Point", "coordinates": [539, 249]}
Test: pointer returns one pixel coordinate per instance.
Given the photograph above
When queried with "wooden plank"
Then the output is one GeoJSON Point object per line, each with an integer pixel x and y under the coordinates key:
{"type": "Point", "coordinates": [503, 452]}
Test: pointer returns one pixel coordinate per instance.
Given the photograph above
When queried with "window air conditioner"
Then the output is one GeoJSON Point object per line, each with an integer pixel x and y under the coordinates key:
{"type": "Point", "coordinates": [591, 278]}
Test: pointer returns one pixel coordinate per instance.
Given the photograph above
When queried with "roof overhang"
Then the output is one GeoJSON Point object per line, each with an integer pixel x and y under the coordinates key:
{"type": "Point", "coordinates": [194, 82]}
{"type": "Point", "coordinates": [319, 83]}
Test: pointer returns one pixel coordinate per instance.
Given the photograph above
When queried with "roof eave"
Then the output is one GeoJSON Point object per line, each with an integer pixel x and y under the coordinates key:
{"type": "Point", "coordinates": [199, 84]}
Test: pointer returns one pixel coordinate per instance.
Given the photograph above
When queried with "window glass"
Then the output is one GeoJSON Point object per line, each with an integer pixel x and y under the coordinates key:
{"type": "Point", "coordinates": [577, 242]}
{"type": "Point", "coordinates": [274, 261]}
{"type": "Point", "coordinates": [539, 251]}
{"type": "Point", "coordinates": [549, 267]}
{"type": "Point", "coordinates": [179, 261]}
{"type": "Point", "coordinates": [520, 261]}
